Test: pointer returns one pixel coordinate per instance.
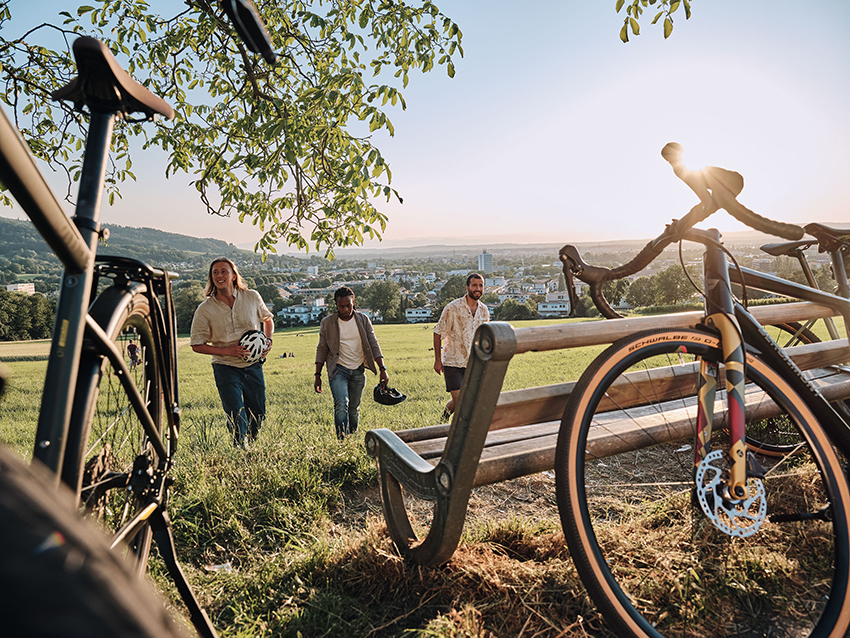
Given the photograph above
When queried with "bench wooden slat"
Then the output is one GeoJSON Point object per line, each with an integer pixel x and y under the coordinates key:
{"type": "Point", "coordinates": [594, 333]}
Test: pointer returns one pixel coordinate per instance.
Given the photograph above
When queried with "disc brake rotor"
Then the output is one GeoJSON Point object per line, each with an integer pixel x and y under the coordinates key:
{"type": "Point", "coordinates": [735, 517]}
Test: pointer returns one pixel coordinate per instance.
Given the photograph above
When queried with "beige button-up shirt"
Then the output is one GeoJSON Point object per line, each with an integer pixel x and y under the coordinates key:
{"type": "Point", "coordinates": [456, 328]}
{"type": "Point", "coordinates": [219, 325]}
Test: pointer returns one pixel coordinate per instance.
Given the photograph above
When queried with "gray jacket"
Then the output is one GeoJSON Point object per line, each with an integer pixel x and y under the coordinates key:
{"type": "Point", "coordinates": [327, 352]}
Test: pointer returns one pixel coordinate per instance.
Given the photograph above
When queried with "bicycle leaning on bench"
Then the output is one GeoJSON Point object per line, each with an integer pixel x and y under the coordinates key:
{"type": "Point", "coordinates": [676, 525]}
{"type": "Point", "coordinates": [109, 421]}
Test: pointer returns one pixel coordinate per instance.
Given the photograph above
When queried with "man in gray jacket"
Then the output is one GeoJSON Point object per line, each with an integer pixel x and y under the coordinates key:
{"type": "Point", "coordinates": [347, 344]}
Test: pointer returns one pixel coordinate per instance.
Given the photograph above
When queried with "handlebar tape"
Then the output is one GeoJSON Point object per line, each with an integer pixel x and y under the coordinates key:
{"type": "Point", "coordinates": [740, 212]}
{"type": "Point", "coordinates": [713, 183]}
{"type": "Point", "coordinates": [593, 276]}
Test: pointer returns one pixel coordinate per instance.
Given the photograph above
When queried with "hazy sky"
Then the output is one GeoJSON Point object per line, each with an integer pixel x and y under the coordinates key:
{"type": "Point", "coordinates": [551, 128]}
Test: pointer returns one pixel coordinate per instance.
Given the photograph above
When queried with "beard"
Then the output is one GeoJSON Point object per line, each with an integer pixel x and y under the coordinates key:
{"type": "Point", "coordinates": [475, 294]}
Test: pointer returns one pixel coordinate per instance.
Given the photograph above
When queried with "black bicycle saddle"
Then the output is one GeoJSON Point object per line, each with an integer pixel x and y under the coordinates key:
{"type": "Point", "coordinates": [829, 237]}
{"type": "Point", "coordinates": [102, 85]}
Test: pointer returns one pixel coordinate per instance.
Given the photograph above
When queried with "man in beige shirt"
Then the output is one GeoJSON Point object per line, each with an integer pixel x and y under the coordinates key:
{"type": "Point", "coordinates": [453, 336]}
{"type": "Point", "coordinates": [230, 310]}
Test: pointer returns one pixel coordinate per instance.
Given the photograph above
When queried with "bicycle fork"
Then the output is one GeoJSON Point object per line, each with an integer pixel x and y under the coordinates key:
{"type": "Point", "coordinates": [728, 484]}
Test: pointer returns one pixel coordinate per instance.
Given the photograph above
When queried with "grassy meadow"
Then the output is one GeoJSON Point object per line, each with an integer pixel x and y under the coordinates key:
{"type": "Point", "coordinates": [287, 538]}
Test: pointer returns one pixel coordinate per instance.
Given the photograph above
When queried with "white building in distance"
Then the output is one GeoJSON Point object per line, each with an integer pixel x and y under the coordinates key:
{"type": "Point", "coordinates": [417, 315]}
{"type": "Point", "coordinates": [28, 289]}
{"type": "Point", "coordinates": [485, 262]}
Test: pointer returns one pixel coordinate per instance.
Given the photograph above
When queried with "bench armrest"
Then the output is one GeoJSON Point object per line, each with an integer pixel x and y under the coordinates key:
{"type": "Point", "coordinates": [414, 473]}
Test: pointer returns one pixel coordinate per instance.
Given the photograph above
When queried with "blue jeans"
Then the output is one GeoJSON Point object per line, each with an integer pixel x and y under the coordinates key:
{"type": "Point", "coordinates": [243, 397]}
{"type": "Point", "coordinates": [347, 389]}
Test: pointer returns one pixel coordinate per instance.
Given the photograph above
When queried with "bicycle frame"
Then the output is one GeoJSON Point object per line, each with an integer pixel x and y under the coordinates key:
{"type": "Point", "coordinates": [739, 330]}
{"type": "Point", "coordinates": [797, 250]}
{"type": "Point", "coordinates": [75, 244]}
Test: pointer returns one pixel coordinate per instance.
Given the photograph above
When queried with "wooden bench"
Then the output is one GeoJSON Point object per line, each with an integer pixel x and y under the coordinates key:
{"type": "Point", "coordinates": [496, 436]}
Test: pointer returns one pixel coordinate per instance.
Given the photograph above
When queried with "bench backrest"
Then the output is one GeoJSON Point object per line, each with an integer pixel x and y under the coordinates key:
{"type": "Point", "coordinates": [547, 403]}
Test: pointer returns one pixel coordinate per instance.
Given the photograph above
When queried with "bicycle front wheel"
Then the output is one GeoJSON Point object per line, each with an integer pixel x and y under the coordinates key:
{"type": "Point", "coordinates": [653, 563]}
{"type": "Point", "coordinates": [58, 576]}
{"type": "Point", "coordinates": [115, 465]}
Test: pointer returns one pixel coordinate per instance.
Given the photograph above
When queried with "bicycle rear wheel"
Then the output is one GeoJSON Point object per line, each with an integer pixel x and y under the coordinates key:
{"type": "Point", "coordinates": [653, 563]}
{"type": "Point", "coordinates": [114, 463]}
{"type": "Point", "coordinates": [791, 333]}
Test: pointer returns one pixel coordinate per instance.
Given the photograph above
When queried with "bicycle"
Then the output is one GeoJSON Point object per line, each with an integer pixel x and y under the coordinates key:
{"type": "Point", "coordinates": [108, 430]}
{"type": "Point", "coordinates": [730, 541]}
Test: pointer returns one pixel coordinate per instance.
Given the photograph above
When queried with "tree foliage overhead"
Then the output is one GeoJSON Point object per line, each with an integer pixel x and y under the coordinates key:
{"type": "Point", "coordinates": [288, 147]}
{"type": "Point", "coordinates": [663, 9]}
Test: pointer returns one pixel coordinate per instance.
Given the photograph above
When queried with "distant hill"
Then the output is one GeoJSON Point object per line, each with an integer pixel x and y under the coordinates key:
{"type": "Point", "coordinates": [744, 237]}
{"type": "Point", "coordinates": [24, 255]}
{"type": "Point", "coordinates": [15, 234]}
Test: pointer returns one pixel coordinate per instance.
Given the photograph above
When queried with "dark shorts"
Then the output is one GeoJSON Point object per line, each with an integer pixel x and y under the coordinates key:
{"type": "Point", "coordinates": [453, 377]}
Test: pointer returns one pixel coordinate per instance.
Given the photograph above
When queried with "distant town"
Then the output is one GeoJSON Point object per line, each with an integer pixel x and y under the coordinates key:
{"type": "Point", "coordinates": [391, 285]}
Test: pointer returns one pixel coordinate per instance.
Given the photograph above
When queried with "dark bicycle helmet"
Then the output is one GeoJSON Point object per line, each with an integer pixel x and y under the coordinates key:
{"type": "Point", "coordinates": [256, 342]}
{"type": "Point", "coordinates": [387, 396]}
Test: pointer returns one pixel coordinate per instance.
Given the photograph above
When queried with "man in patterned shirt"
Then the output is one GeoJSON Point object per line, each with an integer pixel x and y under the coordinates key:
{"type": "Point", "coordinates": [453, 336]}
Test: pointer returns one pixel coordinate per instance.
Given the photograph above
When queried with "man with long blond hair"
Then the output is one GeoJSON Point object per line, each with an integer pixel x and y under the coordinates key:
{"type": "Point", "coordinates": [230, 310]}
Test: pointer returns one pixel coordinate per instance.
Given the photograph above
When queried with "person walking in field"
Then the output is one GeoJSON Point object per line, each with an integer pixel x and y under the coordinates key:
{"type": "Point", "coordinates": [453, 337]}
{"type": "Point", "coordinates": [133, 351]}
{"type": "Point", "coordinates": [230, 310]}
{"type": "Point", "coordinates": [347, 345]}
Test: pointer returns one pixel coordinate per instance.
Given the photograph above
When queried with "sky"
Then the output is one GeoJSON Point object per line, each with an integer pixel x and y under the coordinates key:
{"type": "Point", "coordinates": [551, 129]}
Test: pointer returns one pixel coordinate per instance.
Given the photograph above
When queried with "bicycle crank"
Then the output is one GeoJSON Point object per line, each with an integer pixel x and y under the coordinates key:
{"type": "Point", "coordinates": [735, 517]}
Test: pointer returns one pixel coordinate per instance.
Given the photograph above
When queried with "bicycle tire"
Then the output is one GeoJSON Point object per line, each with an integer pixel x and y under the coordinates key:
{"type": "Point", "coordinates": [58, 576]}
{"type": "Point", "coordinates": [112, 463]}
{"type": "Point", "coordinates": [651, 561]}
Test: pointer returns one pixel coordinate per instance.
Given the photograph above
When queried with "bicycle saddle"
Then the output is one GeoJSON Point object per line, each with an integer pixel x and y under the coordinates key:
{"type": "Point", "coordinates": [829, 238]}
{"type": "Point", "coordinates": [102, 85]}
{"type": "Point", "coordinates": [790, 248]}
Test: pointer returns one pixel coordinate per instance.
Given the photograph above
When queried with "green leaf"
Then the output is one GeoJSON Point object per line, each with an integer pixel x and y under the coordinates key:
{"type": "Point", "coordinates": [620, 4]}
{"type": "Point", "coordinates": [635, 26]}
{"type": "Point", "coordinates": [668, 27]}
{"type": "Point", "coordinates": [84, 9]}
{"type": "Point", "coordinates": [624, 33]}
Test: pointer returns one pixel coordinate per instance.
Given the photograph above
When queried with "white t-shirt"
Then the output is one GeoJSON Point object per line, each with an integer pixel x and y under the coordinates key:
{"type": "Point", "coordinates": [350, 347]}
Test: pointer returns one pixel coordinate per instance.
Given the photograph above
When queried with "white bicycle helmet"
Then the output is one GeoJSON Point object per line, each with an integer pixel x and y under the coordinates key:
{"type": "Point", "coordinates": [256, 342]}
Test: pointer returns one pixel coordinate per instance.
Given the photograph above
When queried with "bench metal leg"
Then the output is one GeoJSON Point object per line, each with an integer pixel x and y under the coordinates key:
{"type": "Point", "coordinates": [450, 482]}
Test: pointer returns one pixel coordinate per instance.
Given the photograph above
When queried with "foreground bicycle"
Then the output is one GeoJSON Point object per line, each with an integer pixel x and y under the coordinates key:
{"type": "Point", "coordinates": [108, 430]}
{"type": "Point", "coordinates": [729, 542]}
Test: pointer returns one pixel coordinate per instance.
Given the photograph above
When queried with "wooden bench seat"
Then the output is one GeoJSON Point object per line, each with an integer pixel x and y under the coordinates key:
{"type": "Point", "coordinates": [527, 449]}
{"type": "Point", "coordinates": [496, 436]}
